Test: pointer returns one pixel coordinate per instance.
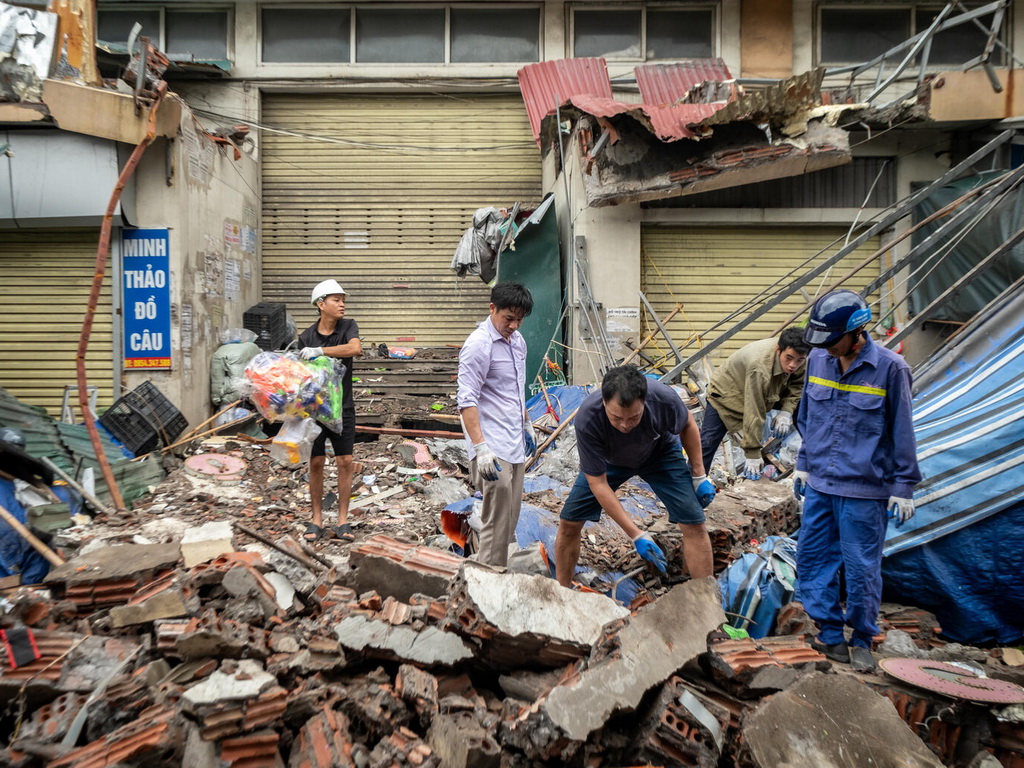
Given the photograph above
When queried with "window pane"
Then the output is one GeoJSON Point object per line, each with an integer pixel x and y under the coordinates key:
{"type": "Point", "coordinates": [203, 35]}
{"type": "Point", "coordinates": [679, 34]}
{"type": "Point", "coordinates": [115, 26]}
{"type": "Point", "coordinates": [957, 45]}
{"type": "Point", "coordinates": [400, 35]}
{"type": "Point", "coordinates": [849, 36]}
{"type": "Point", "coordinates": [306, 34]}
{"type": "Point", "coordinates": [500, 35]}
{"type": "Point", "coordinates": [612, 34]}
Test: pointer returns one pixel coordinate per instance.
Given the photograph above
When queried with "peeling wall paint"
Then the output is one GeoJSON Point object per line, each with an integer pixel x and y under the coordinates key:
{"type": "Point", "coordinates": [26, 52]}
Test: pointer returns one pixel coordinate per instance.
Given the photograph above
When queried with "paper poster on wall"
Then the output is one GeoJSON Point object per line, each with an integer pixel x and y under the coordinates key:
{"type": "Point", "coordinates": [232, 280]}
{"type": "Point", "coordinates": [146, 298]}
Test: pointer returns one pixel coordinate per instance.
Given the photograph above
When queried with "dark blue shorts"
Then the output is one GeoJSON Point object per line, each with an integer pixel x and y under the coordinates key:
{"type": "Point", "coordinates": [667, 473]}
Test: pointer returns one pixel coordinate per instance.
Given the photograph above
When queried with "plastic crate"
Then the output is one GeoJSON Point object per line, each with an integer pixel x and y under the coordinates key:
{"type": "Point", "coordinates": [269, 321]}
{"type": "Point", "coordinates": [143, 418]}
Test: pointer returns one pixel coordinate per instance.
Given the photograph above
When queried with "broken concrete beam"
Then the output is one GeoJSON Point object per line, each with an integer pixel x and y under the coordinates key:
{"type": "Point", "coordinates": [323, 742]}
{"type": "Point", "coordinates": [520, 619]}
{"type": "Point", "coordinates": [460, 741]}
{"type": "Point", "coordinates": [111, 575]}
{"type": "Point", "coordinates": [644, 651]}
{"type": "Point", "coordinates": [831, 720]}
{"type": "Point", "coordinates": [429, 646]}
{"type": "Point", "coordinates": [205, 542]}
{"type": "Point", "coordinates": [681, 727]}
{"type": "Point", "coordinates": [403, 748]}
{"type": "Point", "coordinates": [163, 599]}
{"type": "Point", "coordinates": [400, 569]}
{"type": "Point", "coordinates": [754, 668]}
{"type": "Point", "coordinates": [154, 736]}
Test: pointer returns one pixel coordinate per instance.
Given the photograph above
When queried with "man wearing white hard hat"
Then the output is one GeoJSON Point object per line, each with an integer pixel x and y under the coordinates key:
{"type": "Point", "coordinates": [337, 336]}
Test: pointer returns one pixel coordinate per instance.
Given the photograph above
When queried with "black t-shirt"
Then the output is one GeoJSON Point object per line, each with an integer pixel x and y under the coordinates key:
{"type": "Point", "coordinates": [344, 332]}
{"type": "Point", "coordinates": [600, 444]}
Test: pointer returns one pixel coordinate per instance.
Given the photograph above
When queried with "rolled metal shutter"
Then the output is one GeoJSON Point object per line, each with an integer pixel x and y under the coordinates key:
{"type": "Point", "coordinates": [46, 276]}
{"type": "Point", "coordinates": [382, 204]}
{"type": "Point", "coordinates": [712, 271]}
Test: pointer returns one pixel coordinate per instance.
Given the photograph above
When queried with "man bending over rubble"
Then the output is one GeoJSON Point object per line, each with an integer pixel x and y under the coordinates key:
{"type": "Point", "coordinates": [333, 335]}
{"type": "Point", "coordinates": [492, 385]}
{"type": "Point", "coordinates": [634, 427]}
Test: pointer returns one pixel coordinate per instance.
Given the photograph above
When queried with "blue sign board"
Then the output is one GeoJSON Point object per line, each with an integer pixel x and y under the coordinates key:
{"type": "Point", "coordinates": [146, 291]}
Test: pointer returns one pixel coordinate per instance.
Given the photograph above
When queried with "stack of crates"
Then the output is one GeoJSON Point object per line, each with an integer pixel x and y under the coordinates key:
{"type": "Point", "coordinates": [268, 320]}
{"type": "Point", "coordinates": [143, 418]}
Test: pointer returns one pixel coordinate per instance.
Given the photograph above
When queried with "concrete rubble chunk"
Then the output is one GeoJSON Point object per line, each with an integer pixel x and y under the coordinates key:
{"type": "Point", "coordinates": [400, 570]}
{"type": "Point", "coordinates": [244, 679]}
{"type": "Point", "coordinates": [323, 742]}
{"type": "Point", "coordinates": [525, 620]}
{"type": "Point", "coordinates": [205, 542]}
{"type": "Point", "coordinates": [284, 592]}
{"type": "Point", "coordinates": [831, 720]}
{"type": "Point", "coordinates": [418, 688]}
{"type": "Point", "coordinates": [162, 600]}
{"type": "Point", "coordinates": [404, 748]}
{"type": "Point", "coordinates": [428, 646]}
{"type": "Point", "coordinates": [460, 741]}
{"type": "Point", "coordinates": [641, 653]}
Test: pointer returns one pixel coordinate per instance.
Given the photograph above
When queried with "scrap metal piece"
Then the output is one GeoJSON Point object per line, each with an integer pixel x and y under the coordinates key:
{"type": "Point", "coordinates": [953, 681]}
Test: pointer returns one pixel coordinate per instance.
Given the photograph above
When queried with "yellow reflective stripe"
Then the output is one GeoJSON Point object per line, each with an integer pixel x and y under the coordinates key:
{"type": "Point", "coordinates": [847, 387]}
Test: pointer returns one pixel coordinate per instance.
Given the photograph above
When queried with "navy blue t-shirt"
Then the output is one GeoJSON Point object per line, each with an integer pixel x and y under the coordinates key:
{"type": "Point", "coordinates": [600, 444]}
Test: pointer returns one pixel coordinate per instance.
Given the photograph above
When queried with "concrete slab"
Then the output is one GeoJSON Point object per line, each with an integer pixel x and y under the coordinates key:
{"type": "Point", "coordinates": [115, 562]}
{"type": "Point", "coordinates": [205, 542]}
{"type": "Point", "coordinates": [235, 680]}
{"type": "Point", "coordinates": [429, 646]}
{"type": "Point", "coordinates": [834, 721]}
{"type": "Point", "coordinates": [168, 604]}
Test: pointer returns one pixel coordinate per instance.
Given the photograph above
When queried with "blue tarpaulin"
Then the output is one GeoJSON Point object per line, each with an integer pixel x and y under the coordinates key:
{"type": "Point", "coordinates": [961, 556]}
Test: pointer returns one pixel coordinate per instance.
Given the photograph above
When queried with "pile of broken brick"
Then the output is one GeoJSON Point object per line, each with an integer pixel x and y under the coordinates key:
{"type": "Point", "coordinates": [225, 641]}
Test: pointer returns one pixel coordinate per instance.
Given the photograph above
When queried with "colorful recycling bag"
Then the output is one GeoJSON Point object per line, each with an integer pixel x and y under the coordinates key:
{"type": "Point", "coordinates": [282, 388]}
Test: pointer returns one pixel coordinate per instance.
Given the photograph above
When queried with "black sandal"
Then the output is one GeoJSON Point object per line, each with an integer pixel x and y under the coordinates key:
{"type": "Point", "coordinates": [312, 533]}
{"type": "Point", "coordinates": [344, 532]}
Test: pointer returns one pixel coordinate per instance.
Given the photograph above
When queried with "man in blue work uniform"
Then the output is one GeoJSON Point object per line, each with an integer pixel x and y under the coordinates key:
{"type": "Point", "coordinates": [857, 466]}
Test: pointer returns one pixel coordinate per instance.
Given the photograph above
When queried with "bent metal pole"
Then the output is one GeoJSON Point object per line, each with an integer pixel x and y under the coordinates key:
{"type": "Point", "coordinates": [102, 252]}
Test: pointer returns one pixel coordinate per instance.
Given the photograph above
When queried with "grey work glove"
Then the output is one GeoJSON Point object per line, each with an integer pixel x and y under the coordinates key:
{"type": "Point", "coordinates": [799, 484]}
{"type": "Point", "coordinates": [752, 469]}
{"type": "Point", "coordinates": [782, 424]}
{"type": "Point", "coordinates": [486, 462]}
{"type": "Point", "coordinates": [308, 353]}
{"type": "Point", "coordinates": [900, 509]}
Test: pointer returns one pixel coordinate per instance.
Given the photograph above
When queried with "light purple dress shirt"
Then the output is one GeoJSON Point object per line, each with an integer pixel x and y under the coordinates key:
{"type": "Point", "coordinates": [492, 377]}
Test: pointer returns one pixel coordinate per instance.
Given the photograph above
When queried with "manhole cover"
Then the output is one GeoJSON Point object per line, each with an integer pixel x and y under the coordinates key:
{"type": "Point", "coordinates": [216, 466]}
{"type": "Point", "coordinates": [951, 680]}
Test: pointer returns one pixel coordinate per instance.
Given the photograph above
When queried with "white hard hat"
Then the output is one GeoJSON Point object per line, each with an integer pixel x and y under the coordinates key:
{"type": "Point", "coordinates": [326, 288]}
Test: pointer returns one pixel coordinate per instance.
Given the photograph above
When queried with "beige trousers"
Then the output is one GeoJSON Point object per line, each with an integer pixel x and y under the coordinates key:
{"type": "Point", "coordinates": [503, 499]}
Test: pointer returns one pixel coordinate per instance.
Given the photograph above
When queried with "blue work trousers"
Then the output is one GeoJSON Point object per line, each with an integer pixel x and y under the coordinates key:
{"type": "Point", "coordinates": [841, 532]}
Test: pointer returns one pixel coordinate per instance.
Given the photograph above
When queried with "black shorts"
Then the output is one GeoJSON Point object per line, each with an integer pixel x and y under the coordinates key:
{"type": "Point", "coordinates": [342, 443]}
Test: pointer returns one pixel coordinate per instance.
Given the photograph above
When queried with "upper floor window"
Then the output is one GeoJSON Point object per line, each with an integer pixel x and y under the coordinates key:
{"type": "Point", "coordinates": [199, 34]}
{"type": "Point", "coordinates": [438, 35]}
{"type": "Point", "coordinates": [854, 34]}
{"type": "Point", "coordinates": [645, 33]}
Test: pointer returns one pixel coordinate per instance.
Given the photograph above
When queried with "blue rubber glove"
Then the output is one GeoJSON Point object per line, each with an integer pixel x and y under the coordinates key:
{"type": "Point", "coordinates": [649, 551]}
{"type": "Point", "coordinates": [799, 484]}
{"type": "Point", "coordinates": [486, 462]}
{"type": "Point", "coordinates": [705, 490]}
{"type": "Point", "coordinates": [529, 442]}
{"type": "Point", "coordinates": [900, 509]}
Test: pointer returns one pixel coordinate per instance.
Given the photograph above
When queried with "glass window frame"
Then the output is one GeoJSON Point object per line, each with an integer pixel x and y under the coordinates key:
{"type": "Point", "coordinates": [915, 27]}
{"type": "Point", "coordinates": [161, 43]}
{"type": "Point", "coordinates": [354, 9]}
{"type": "Point", "coordinates": [712, 7]}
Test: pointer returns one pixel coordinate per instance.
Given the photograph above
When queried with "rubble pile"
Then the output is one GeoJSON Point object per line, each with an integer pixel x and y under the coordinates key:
{"type": "Point", "coordinates": [210, 634]}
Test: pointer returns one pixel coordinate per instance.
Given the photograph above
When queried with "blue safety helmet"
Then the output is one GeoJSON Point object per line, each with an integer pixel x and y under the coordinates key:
{"type": "Point", "coordinates": [833, 315]}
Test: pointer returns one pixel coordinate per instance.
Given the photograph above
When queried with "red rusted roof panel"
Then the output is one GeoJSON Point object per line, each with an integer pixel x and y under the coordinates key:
{"type": "Point", "coordinates": [549, 83]}
{"type": "Point", "coordinates": [668, 123]}
{"type": "Point", "coordinates": [668, 83]}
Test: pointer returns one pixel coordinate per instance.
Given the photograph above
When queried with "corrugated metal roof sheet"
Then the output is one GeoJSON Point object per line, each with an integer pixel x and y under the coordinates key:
{"type": "Point", "coordinates": [668, 123]}
{"type": "Point", "coordinates": [668, 83]}
{"type": "Point", "coordinates": [549, 83]}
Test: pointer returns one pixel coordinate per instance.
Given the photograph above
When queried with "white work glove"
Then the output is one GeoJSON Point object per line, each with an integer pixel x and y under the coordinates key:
{"type": "Point", "coordinates": [782, 424]}
{"type": "Point", "coordinates": [486, 462]}
{"type": "Point", "coordinates": [308, 353]}
{"type": "Point", "coordinates": [752, 469]}
{"type": "Point", "coordinates": [900, 509]}
{"type": "Point", "coordinates": [799, 484]}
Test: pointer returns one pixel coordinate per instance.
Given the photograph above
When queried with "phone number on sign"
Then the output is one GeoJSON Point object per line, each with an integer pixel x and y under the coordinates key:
{"type": "Point", "coordinates": [148, 362]}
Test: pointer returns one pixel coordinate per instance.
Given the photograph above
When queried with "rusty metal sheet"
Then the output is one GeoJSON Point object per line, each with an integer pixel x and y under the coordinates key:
{"type": "Point", "coordinates": [548, 83]}
{"type": "Point", "coordinates": [668, 83]}
{"type": "Point", "coordinates": [667, 123]}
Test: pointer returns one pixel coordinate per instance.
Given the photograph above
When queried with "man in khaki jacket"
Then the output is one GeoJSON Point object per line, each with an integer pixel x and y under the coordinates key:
{"type": "Point", "coordinates": [762, 376]}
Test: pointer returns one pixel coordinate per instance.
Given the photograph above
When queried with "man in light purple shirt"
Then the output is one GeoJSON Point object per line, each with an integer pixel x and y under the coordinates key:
{"type": "Point", "coordinates": [492, 384]}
